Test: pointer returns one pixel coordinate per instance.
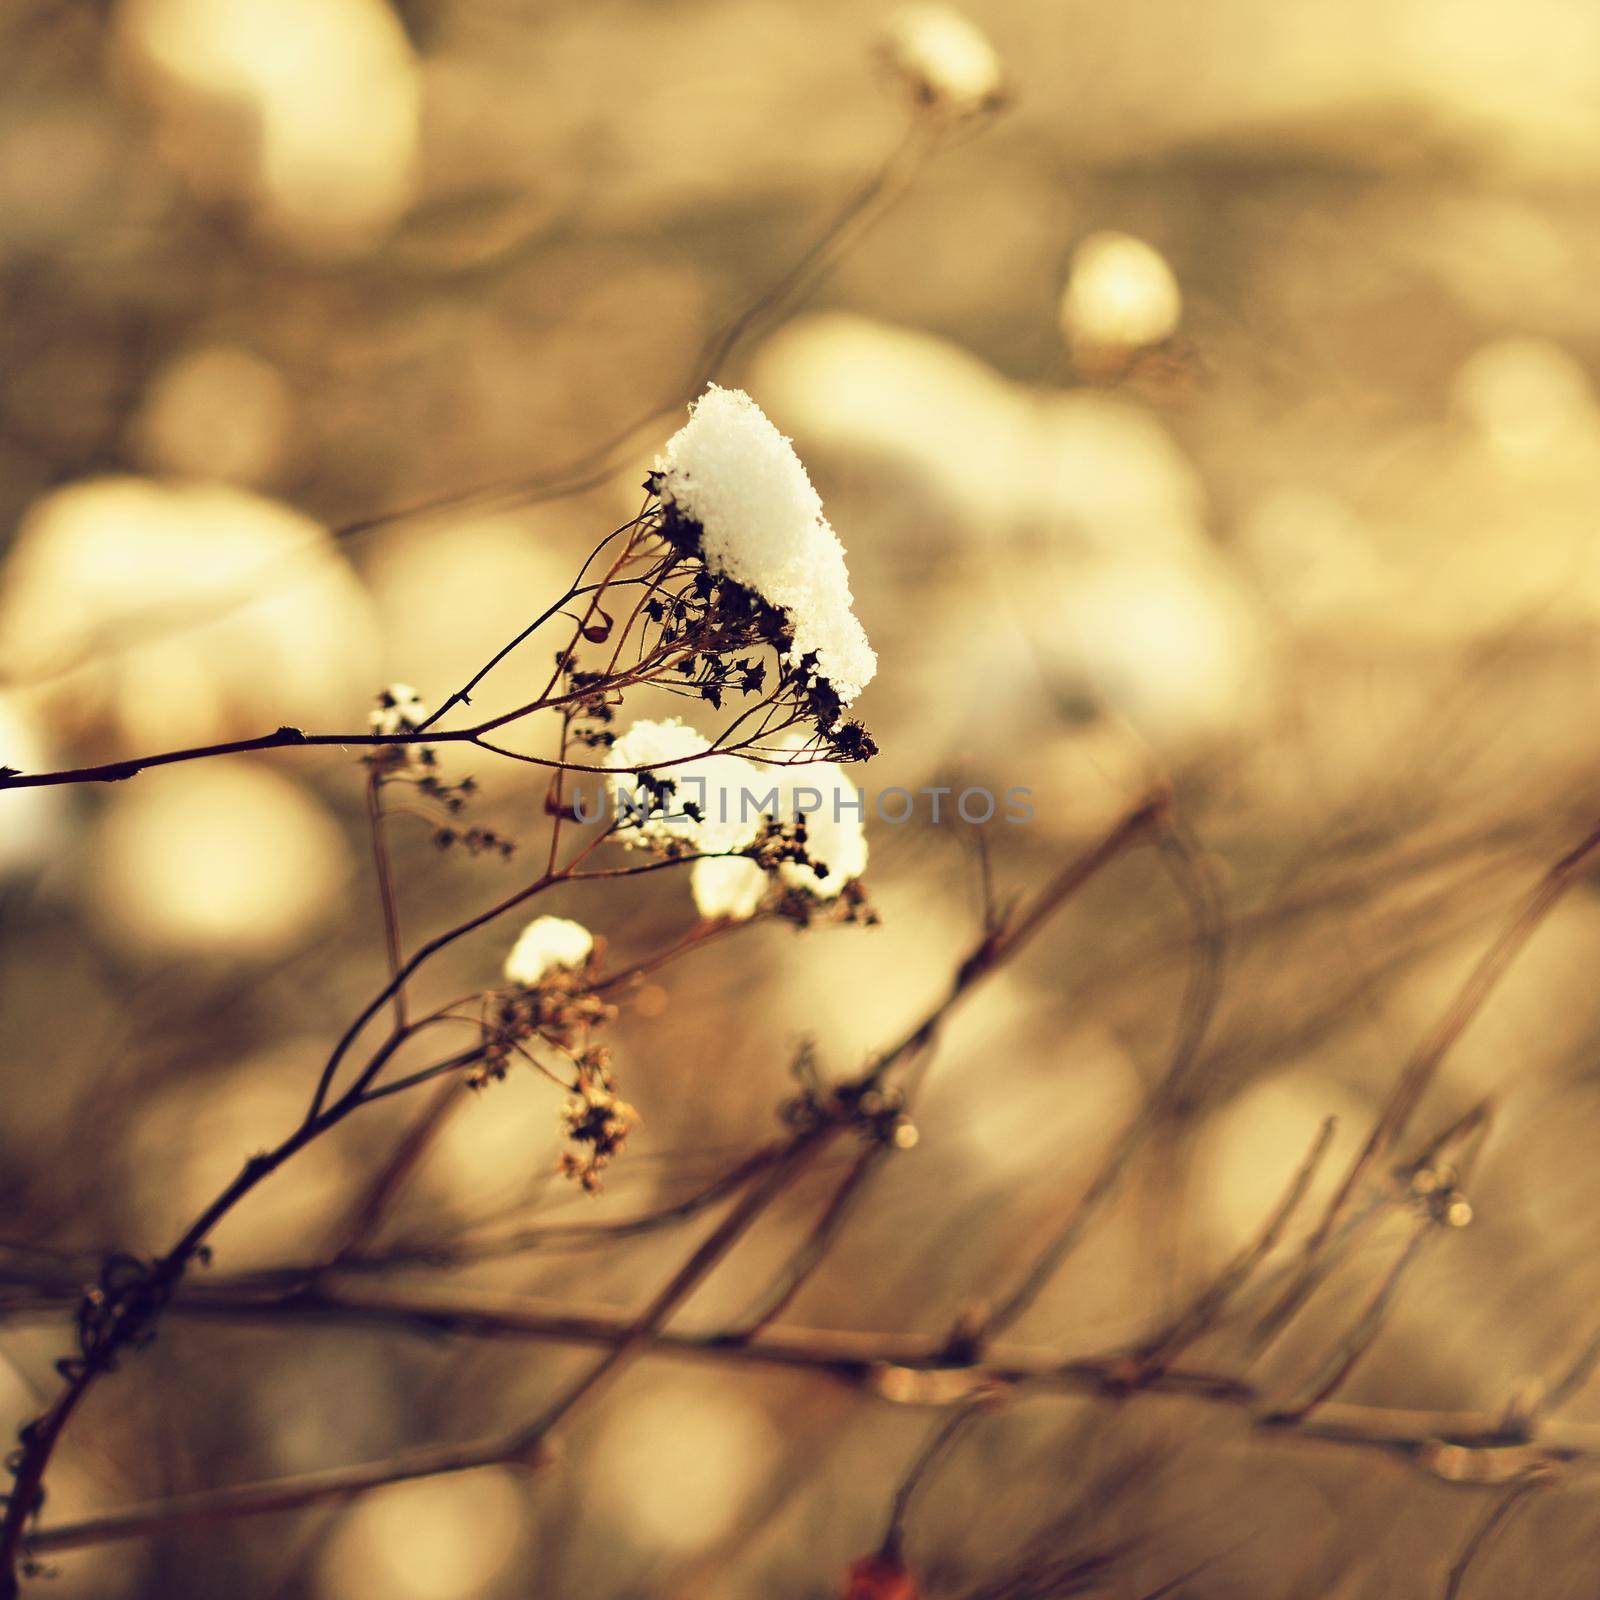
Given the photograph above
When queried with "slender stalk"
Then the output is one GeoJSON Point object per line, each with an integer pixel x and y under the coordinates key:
{"type": "Point", "coordinates": [387, 900]}
{"type": "Point", "coordinates": [329, 1487]}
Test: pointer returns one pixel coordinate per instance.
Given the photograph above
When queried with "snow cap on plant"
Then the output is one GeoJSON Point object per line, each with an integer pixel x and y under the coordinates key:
{"type": "Point", "coordinates": [1120, 294]}
{"type": "Point", "coordinates": [944, 58]}
{"type": "Point", "coordinates": [727, 888]}
{"type": "Point", "coordinates": [399, 710]}
{"type": "Point", "coordinates": [836, 837]}
{"type": "Point", "coordinates": [665, 798]}
{"type": "Point", "coordinates": [734, 483]}
{"type": "Point", "coordinates": [546, 944]}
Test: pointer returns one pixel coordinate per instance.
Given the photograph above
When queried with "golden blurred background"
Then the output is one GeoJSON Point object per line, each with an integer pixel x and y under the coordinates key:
{"type": "Point", "coordinates": [1220, 412]}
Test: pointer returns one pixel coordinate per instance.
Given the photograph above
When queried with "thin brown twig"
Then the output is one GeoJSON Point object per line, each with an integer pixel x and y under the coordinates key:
{"type": "Point", "coordinates": [1498, 1514]}
{"type": "Point", "coordinates": [1199, 894]}
{"type": "Point", "coordinates": [463, 695]}
{"type": "Point", "coordinates": [707, 1255]}
{"type": "Point", "coordinates": [1204, 1311]}
{"type": "Point", "coordinates": [388, 902]}
{"type": "Point", "coordinates": [776, 1298]}
{"type": "Point", "coordinates": [366, 1216]}
{"type": "Point", "coordinates": [1000, 943]}
{"type": "Point", "coordinates": [938, 1444]}
{"type": "Point", "coordinates": [1424, 1064]}
{"type": "Point", "coordinates": [1364, 1334]}
{"type": "Point", "coordinates": [1576, 1378]}
{"type": "Point", "coordinates": [42, 1436]}
{"type": "Point", "coordinates": [907, 1369]}
{"type": "Point", "coordinates": [130, 1319]}
{"type": "Point", "coordinates": [330, 1486]}
{"type": "Point", "coordinates": [475, 734]}
{"type": "Point", "coordinates": [893, 178]}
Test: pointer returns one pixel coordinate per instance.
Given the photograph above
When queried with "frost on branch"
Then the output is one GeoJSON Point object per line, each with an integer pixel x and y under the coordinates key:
{"type": "Point", "coordinates": [736, 493]}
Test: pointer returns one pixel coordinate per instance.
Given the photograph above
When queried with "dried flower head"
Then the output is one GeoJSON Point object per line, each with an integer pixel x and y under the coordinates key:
{"type": "Point", "coordinates": [596, 1120]}
{"type": "Point", "coordinates": [736, 494]}
{"type": "Point", "coordinates": [562, 1012]}
{"type": "Point", "coordinates": [943, 58]}
{"type": "Point", "coordinates": [399, 709]}
{"type": "Point", "coordinates": [548, 943]}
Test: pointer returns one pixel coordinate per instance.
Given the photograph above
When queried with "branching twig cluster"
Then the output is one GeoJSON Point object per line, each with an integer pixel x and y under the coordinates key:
{"type": "Point", "coordinates": [960, 1373]}
{"type": "Point", "coordinates": [649, 610]}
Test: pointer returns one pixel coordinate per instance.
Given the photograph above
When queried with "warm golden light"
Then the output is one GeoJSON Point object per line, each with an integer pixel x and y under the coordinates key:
{"type": "Point", "coordinates": [232, 860]}
{"type": "Point", "coordinates": [205, 609]}
{"type": "Point", "coordinates": [1120, 294]}
{"type": "Point", "coordinates": [316, 102]}
{"type": "Point", "coordinates": [216, 411]}
{"type": "Point", "coordinates": [683, 1461]}
{"type": "Point", "coordinates": [449, 1538]}
{"type": "Point", "coordinates": [1072, 532]}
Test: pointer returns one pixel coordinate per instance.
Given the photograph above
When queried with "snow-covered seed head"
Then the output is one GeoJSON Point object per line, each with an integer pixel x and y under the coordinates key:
{"type": "Point", "coordinates": [804, 822]}
{"type": "Point", "coordinates": [399, 709]}
{"type": "Point", "coordinates": [727, 888]}
{"type": "Point", "coordinates": [943, 58]}
{"type": "Point", "coordinates": [836, 840]}
{"type": "Point", "coordinates": [732, 479]}
{"type": "Point", "coordinates": [546, 944]}
{"type": "Point", "coordinates": [671, 795]}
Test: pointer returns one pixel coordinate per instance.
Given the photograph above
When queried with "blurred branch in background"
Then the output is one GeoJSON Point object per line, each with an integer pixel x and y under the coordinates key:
{"type": "Point", "coordinates": [1216, 444]}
